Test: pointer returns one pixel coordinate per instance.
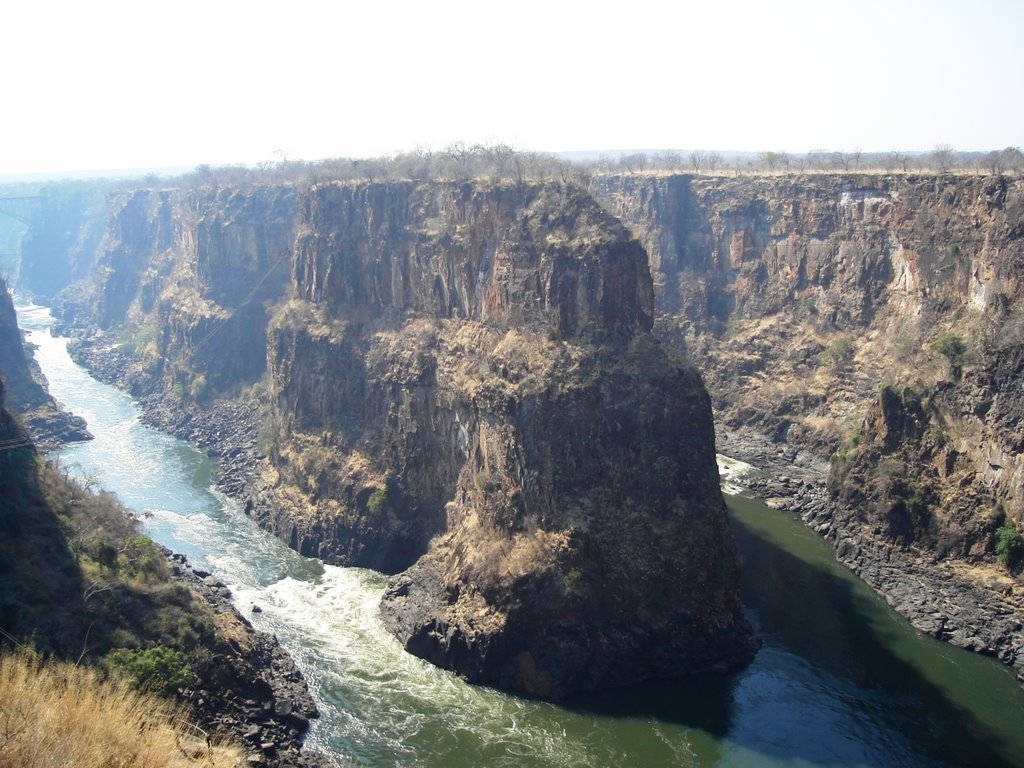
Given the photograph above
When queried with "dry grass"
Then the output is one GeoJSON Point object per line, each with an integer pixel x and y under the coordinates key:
{"type": "Point", "coordinates": [54, 715]}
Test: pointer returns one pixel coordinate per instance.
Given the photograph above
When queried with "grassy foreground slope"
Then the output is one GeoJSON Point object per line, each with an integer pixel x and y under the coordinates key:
{"type": "Point", "coordinates": [54, 714]}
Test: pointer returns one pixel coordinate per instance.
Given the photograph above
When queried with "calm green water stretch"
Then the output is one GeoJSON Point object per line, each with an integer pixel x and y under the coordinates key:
{"type": "Point", "coordinates": [841, 681]}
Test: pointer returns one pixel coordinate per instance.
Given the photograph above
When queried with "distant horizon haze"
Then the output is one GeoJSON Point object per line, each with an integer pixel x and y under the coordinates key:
{"type": "Point", "coordinates": [731, 158]}
{"type": "Point", "coordinates": [117, 85]}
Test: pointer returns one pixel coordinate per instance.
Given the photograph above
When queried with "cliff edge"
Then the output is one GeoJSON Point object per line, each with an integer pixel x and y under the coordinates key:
{"type": "Point", "coordinates": [461, 389]}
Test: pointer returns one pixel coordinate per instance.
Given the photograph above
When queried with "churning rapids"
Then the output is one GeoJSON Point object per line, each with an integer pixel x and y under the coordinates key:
{"type": "Point", "coordinates": [840, 681]}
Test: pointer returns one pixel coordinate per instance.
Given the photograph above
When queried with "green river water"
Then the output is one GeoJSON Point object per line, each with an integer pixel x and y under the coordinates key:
{"type": "Point", "coordinates": [840, 681]}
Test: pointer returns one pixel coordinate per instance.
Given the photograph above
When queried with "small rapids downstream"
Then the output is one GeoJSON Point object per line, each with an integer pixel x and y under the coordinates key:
{"type": "Point", "coordinates": [840, 681]}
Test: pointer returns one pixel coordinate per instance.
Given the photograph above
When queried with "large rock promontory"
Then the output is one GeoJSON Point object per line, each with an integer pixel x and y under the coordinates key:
{"type": "Point", "coordinates": [462, 390]}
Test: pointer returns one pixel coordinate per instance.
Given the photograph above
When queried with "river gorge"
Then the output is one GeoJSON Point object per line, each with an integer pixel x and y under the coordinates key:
{"type": "Point", "coordinates": [840, 680]}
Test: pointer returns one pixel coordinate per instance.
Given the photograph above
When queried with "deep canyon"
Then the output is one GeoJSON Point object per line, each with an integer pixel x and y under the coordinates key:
{"type": "Point", "coordinates": [496, 393]}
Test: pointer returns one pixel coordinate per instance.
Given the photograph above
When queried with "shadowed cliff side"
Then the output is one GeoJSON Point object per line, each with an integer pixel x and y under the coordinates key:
{"type": "Point", "coordinates": [460, 376]}
{"type": "Point", "coordinates": [27, 395]}
{"type": "Point", "coordinates": [466, 382]}
{"type": "Point", "coordinates": [80, 583]}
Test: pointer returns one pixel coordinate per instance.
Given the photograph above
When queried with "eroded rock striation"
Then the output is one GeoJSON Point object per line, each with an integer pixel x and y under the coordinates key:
{"type": "Point", "coordinates": [463, 390]}
{"type": "Point", "coordinates": [875, 320]}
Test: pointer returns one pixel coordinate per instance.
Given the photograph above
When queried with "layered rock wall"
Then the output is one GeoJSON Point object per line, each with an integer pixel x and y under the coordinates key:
{"type": "Point", "coordinates": [723, 248]}
{"type": "Point", "coordinates": [801, 298]}
{"type": "Point", "coordinates": [190, 275]}
{"type": "Point", "coordinates": [462, 388]}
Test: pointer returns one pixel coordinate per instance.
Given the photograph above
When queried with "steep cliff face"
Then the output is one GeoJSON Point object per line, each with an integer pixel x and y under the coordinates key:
{"type": "Point", "coordinates": [801, 296]}
{"type": "Point", "coordinates": [27, 395]}
{"type": "Point", "coordinates": [465, 384]}
{"type": "Point", "coordinates": [585, 544]}
{"type": "Point", "coordinates": [189, 274]}
{"type": "Point", "coordinates": [504, 256]}
{"type": "Point", "coordinates": [461, 383]}
{"type": "Point", "coordinates": [727, 248]}
{"type": "Point", "coordinates": [369, 259]}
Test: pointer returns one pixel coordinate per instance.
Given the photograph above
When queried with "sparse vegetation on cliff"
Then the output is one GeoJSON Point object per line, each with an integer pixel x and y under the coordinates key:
{"type": "Point", "coordinates": [1009, 546]}
{"type": "Point", "coordinates": [378, 504]}
{"type": "Point", "coordinates": [839, 352]}
{"type": "Point", "coordinates": [952, 347]}
{"type": "Point", "coordinates": [498, 160]}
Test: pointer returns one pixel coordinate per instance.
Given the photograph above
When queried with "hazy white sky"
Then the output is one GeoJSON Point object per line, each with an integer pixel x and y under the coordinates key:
{"type": "Point", "coordinates": [110, 84]}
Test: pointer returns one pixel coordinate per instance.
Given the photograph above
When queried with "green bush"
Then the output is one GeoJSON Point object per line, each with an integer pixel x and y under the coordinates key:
{"type": "Point", "coordinates": [106, 555]}
{"type": "Point", "coordinates": [143, 558]}
{"type": "Point", "coordinates": [378, 504]}
{"type": "Point", "coordinates": [160, 669]}
{"type": "Point", "coordinates": [1009, 546]}
{"type": "Point", "coordinates": [840, 460]}
{"type": "Point", "coordinates": [917, 506]}
{"type": "Point", "coordinates": [953, 348]}
{"type": "Point", "coordinates": [485, 482]}
{"type": "Point", "coordinates": [143, 343]}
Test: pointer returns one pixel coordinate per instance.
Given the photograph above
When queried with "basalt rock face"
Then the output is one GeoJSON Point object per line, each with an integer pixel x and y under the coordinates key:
{"type": "Point", "coordinates": [727, 248]}
{"type": "Point", "coordinates": [27, 395]}
{"type": "Point", "coordinates": [463, 389]}
{"type": "Point", "coordinates": [818, 308]}
{"type": "Point", "coordinates": [190, 273]}
{"type": "Point", "coordinates": [465, 384]}
{"type": "Point", "coordinates": [385, 276]}
{"type": "Point", "coordinates": [585, 543]}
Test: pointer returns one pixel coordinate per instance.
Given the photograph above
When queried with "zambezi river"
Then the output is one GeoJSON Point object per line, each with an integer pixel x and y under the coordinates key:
{"type": "Point", "coordinates": [841, 680]}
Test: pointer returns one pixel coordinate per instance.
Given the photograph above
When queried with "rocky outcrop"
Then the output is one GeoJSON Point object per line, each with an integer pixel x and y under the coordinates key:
{"type": "Point", "coordinates": [462, 388]}
{"type": "Point", "coordinates": [387, 277]}
{"type": "Point", "coordinates": [465, 385]}
{"type": "Point", "coordinates": [248, 686]}
{"type": "Point", "coordinates": [579, 552]}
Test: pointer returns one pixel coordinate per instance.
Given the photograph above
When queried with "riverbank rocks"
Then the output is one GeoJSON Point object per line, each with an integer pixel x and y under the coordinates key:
{"type": "Point", "coordinates": [975, 608]}
{"type": "Point", "coordinates": [249, 686]}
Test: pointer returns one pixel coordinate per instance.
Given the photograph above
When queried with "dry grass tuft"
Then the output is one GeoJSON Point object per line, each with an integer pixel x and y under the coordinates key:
{"type": "Point", "coordinates": [54, 714]}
